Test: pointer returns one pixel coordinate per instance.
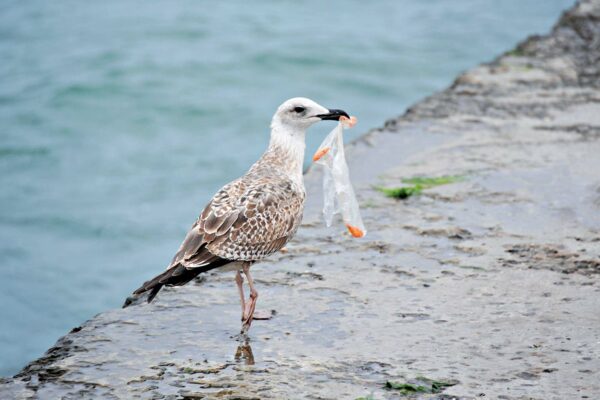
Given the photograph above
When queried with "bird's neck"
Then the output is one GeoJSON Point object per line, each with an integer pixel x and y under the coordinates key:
{"type": "Point", "coordinates": [286, 150]}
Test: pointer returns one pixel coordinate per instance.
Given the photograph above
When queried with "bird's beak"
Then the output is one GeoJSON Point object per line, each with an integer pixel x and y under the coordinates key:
{"type": "Point", "coordinates": [333, 115]}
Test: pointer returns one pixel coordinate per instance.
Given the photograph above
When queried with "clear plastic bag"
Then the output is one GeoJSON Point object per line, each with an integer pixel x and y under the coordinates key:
{"type": "Point", "coordinates": [337, 190]}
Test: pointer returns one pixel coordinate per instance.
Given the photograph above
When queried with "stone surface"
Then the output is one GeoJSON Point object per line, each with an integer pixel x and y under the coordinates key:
{"type": "Point", "coordinates": [492, 281]}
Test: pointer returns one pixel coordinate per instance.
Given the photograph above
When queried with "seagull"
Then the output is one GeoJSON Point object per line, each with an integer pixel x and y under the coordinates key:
{"type": "Point", "coordinates": [253, 216]}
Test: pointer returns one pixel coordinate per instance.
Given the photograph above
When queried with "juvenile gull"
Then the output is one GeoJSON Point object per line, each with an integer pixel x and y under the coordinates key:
{"type": "Point", "coordinates": [253, 216]}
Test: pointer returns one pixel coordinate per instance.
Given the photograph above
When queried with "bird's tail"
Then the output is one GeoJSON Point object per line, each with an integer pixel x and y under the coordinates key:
{"type": "Point", "coordinates": [176, 275]}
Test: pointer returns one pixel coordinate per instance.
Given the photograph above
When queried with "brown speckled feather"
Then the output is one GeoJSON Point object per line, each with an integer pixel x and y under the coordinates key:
{"type": "Point", "coordinates": [248, 219]}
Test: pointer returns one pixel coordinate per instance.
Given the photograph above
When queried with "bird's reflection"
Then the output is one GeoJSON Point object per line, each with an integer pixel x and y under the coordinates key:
{"type": "Point", "coordinates": [243, 353]}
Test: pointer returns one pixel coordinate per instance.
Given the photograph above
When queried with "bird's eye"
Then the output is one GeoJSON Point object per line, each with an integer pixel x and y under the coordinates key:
{"type": "Point", "coordinates": [299, 109]}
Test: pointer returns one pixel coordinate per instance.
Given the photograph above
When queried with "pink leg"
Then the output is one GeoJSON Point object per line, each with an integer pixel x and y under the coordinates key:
{"type": "Point", "coordinates": [239, 280]}
{"type": "Point", "coordinates": [251, 304]}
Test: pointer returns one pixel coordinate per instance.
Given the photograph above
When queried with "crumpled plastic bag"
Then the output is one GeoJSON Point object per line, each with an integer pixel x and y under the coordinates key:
{"type": "Point", "coordinates": [337, 189]}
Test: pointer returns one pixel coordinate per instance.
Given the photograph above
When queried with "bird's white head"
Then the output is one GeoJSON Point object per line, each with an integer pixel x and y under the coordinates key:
{"type": "Point", "coordinates": [288, 129]}
{"type": "Point", "coordinates": [299, 113]}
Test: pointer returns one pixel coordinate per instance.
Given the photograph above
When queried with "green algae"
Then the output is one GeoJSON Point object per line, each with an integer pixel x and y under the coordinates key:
{"type": "Point", "coordinates": [401, 192]}
{"type": "Point", "coordinates": [416, 185]}
{"type": "Point", "coordinates": [420, 384]}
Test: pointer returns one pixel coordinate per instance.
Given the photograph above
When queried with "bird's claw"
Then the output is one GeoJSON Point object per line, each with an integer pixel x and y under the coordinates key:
{"type": "Point", "coordinates": [264, 315]}
{"type": "Point", "coordinates": [256, 315]}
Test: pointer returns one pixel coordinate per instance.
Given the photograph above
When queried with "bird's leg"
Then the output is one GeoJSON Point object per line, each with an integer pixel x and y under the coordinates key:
{"type": "Point", "coordinates": [239, 280]}
{"type": "Point", "coordinates": [251, 304]}
{"type": "Point", "coordinates": [249, 312]}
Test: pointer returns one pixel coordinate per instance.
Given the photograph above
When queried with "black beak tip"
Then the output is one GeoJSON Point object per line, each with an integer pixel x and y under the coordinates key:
{"type": "Point", "coordinates": [333, 115]}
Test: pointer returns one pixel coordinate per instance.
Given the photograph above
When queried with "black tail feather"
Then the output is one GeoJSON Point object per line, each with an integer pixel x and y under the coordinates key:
{"type": "Point", "coordinates": [177, 275]}
{"type": "Point", "coordinates": [153, 292]}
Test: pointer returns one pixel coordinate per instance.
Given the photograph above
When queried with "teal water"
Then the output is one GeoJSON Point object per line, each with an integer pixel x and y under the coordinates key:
{"type": "Point", "coordinates": [114, 117]}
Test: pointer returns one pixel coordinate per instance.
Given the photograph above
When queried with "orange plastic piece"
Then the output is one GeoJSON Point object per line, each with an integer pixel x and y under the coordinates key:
{"type": "Point", "coordinates": [354, 231]}
{"type": "Point", "coordinates": [348, 122]}
{"type": "Point", "coordinates": [321, 153]}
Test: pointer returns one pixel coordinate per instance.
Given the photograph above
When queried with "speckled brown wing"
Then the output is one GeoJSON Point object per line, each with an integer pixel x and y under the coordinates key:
{"type": "Point", "coordinates": [245, 221]}
{"type": "Point", "coordinates": [193, 252]}
{"type": "Point", "coordinates": [267, 215]}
